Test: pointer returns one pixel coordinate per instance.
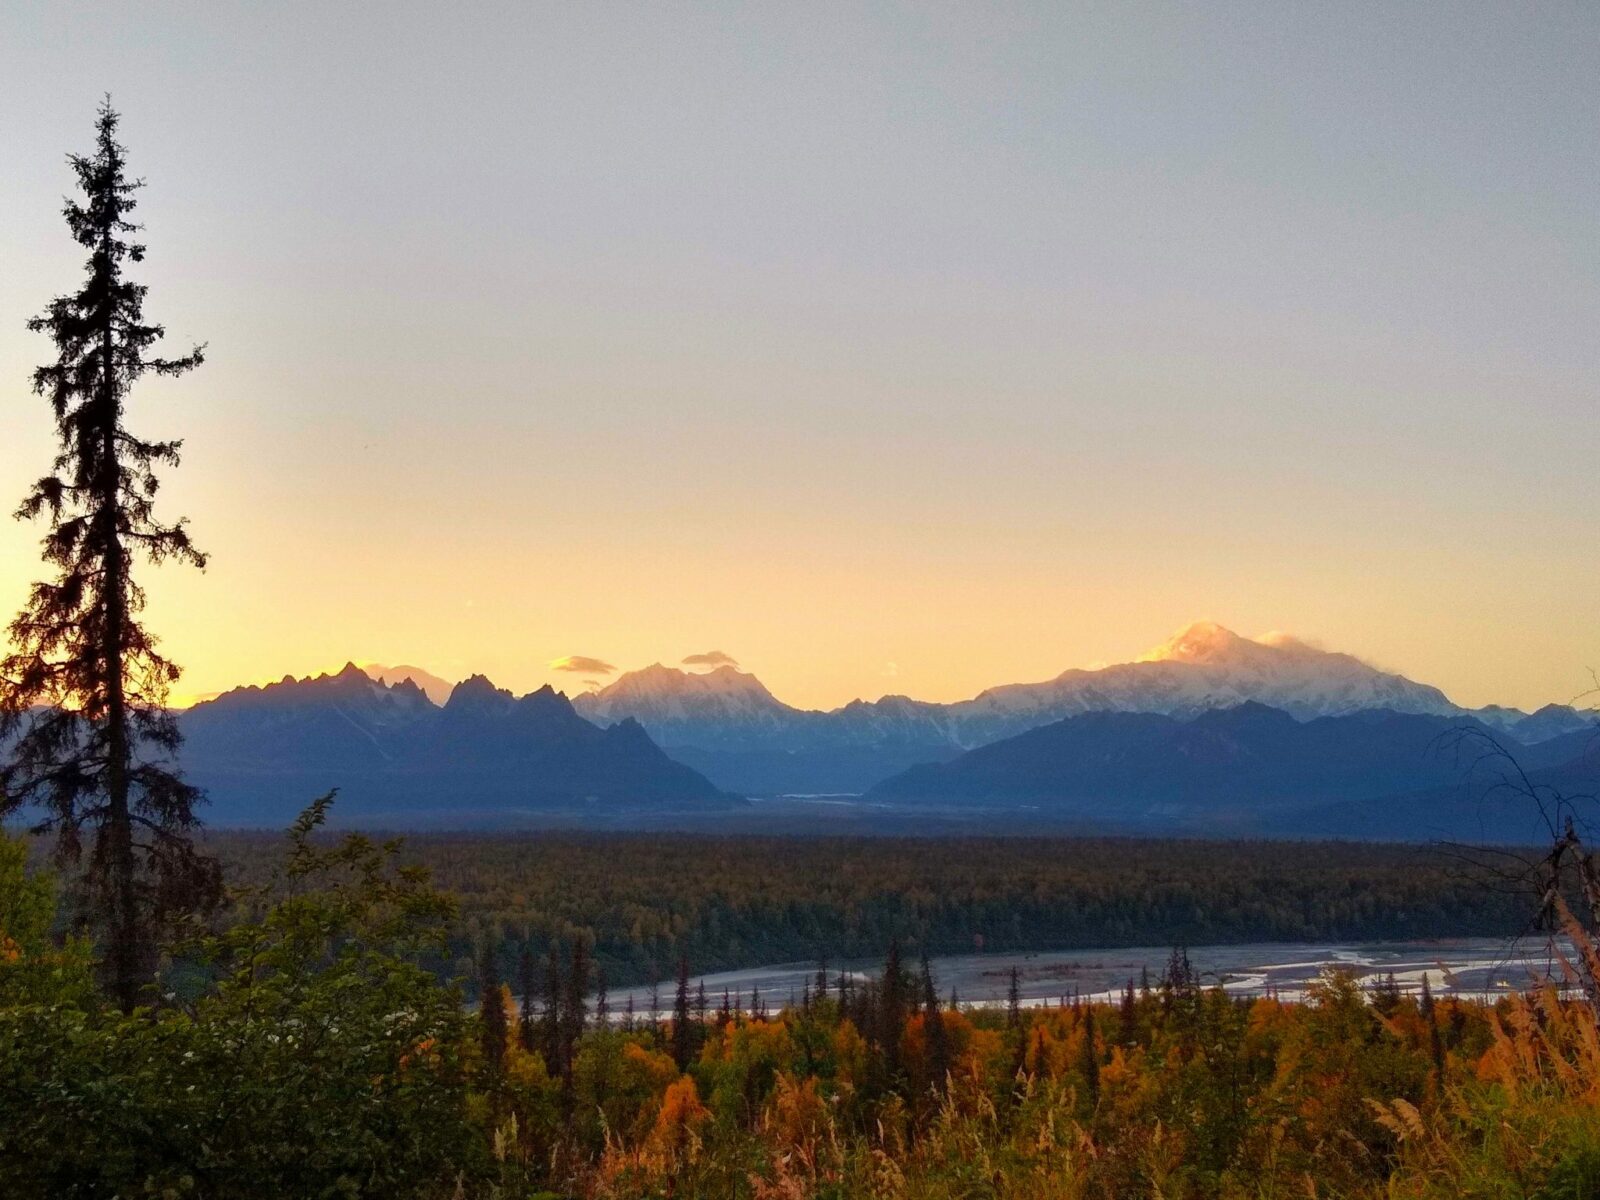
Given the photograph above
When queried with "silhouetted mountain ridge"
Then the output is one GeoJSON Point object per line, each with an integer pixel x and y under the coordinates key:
{"type": "Point", "coordinates": [485, 744]}
{"type": "Point", "coordinates": [486, 756]}
{"type": "Point", "coordinates": [1249, 768]}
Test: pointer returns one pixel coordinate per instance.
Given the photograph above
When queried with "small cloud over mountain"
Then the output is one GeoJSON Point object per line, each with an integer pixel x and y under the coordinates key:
{"type": "Point", "coordinates": [1278, 639]}
{"type": "Point", "coordinates": [712, 658]}
{"type": "Point", "coordinates": [582, 664]}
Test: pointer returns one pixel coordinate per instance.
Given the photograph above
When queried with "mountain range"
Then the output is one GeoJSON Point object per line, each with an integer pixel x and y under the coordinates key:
{"type": "Point", "coordinates": [1254, 770]}
{"type": "Point", "coordinates": [485, 757]}
{"type": "Point", "coordinates": [728, 725]}
{"type": "Point", "coordinates": [1208, 731]}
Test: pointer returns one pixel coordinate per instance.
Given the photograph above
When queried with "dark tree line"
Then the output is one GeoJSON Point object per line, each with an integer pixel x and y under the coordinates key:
{"type": "Point", "coordinates": [728, 903]}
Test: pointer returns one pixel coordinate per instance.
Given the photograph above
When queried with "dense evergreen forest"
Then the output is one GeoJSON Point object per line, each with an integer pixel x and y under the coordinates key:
{"type": "Point", "coordinates": [643, 902]}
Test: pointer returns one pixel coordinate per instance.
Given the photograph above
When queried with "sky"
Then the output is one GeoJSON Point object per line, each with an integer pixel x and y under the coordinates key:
{"type": "Point", "coordinates": [885, 348]}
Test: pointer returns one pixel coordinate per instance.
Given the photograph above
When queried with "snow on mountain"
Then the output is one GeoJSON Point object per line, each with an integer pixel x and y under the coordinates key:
{"type": "Point", "coordinates": [435, 688]}
{"type": "Point", "coordinates": [727, 724]}
{"type": "Point", "coordinates": [1204, 666]}
{"type": "Point", "coordinates": [891, 721]}
{"type": "Point", "coordinates": [723, 704]}
{"type": "Point", "coordinates": [1201, 668]}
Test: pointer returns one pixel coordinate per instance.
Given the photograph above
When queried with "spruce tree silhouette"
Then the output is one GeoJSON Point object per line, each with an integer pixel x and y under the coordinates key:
{"type": "Point", "coordinates": [683, 1034]}
{"type": "Point", "coordinates": [527, 984]}
{"type": "Point", "coordinates": [892, 1010]}
{"type": "Point", "coordinates": [83, 692]}
{"type": "Point", "coordinates": [938, 1041]}
{"type": "Point", "coordinates": [493, 1026]}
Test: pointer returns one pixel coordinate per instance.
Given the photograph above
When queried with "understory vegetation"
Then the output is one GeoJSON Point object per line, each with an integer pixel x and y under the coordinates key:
{"type": "Point", "coordinates": [308, 1049]}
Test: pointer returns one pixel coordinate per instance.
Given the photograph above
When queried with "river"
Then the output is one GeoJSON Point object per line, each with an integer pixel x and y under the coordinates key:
{"type": "Point", "coordinates": [1466, 966]}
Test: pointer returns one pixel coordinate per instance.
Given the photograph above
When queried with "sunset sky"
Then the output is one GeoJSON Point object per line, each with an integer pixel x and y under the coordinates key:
{"type": "Point", "coordinates": [886, 348]}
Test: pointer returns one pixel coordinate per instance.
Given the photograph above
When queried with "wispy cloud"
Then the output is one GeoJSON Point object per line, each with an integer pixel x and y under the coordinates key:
{"type": "Point", "coordinates": [1278, 637]}
{"type": "Point", "coordinates": [711, 658]}
{"type": "Point", "coordinates": [582, 664]}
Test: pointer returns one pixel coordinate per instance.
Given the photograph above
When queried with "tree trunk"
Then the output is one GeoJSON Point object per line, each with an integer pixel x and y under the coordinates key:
{"type": "Point", "coordinates": [124, 928]}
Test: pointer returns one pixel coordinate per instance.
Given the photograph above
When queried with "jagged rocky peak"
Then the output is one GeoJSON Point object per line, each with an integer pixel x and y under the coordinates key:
{"type": "Point", "coordinates": [475, 694]}
{"type": "Point", "coordinates": [433, 686]}
{"type": "Point", "coordinates": [546, 699]}
{"type": "Point", "coordinates": [407, 688]}
{"type": "Point", "coordinates": [347, 678]}
{"type": "Point", "coordinates": [347, 684]}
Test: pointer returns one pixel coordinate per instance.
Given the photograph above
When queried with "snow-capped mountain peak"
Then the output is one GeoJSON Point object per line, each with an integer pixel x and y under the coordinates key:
{"type": "Point", "coordinates": [665, 698]}
{"type": "Point", "coordinates": [1199, 642]}
{"type": "Point", "coordinates": [725, 719]}
{"type": "Point", "coordinates": [1206, 643]}
{"type": "Point", "coordinates": [1203, 666]}
{"type": "Point", "coordinates": [669, 683]}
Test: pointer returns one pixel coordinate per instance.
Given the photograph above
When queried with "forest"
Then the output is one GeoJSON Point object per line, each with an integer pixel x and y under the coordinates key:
{"type": "Point", "coordinates": [643, 902]}
{"type": "Point", "coordinates": [307, 1049]}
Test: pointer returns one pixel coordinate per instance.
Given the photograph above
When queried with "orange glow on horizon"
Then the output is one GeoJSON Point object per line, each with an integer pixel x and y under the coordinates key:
{"type": "Point", "coordinates": [1022, 371]}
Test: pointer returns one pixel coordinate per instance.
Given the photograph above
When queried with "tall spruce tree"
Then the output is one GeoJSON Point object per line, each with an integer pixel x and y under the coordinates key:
{"type": "Point", "coordinates": [1089, 1060]}
{"type": "Point", "coordinates": [892, 1009]}
{"type": "Point", "coordinates": [494, 1021]}
{"type": "Point", "coordinates": [682, 1031]}
{"type": "Point", "coordinates": [937, 1040]}
{"type": "Point", "coordinates": [83, 692]}
{"type": "Point", "coordinates": [527, 984]}
{"type": "Point", "coordinates": [1128, 1018]}
{"type": "Point", "coordinates": [575, 1014]}
{"type": "Point", "coordinates": [550, 1025]}
{"type": "Point", "coordinates": [1435, 1042]}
